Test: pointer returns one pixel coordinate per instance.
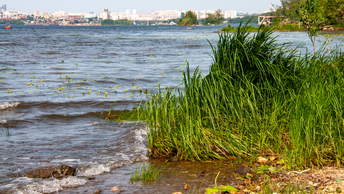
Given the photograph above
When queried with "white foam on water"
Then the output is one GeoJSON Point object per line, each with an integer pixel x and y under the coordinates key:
{"type": "Point", "coordinates": [8, 186]}
{"type": "Point", "coordinates": [24, 158]}
{"type": "Point", "coordinates": [133, 152]}
{"type": "Point", "coordinates": [5, 105]}
{"type": "Point", "coordinates": [66, 160]}
{"type": "Point", "coordinates": [140, 146]}
{"type": "Point", "coordinates": [49, 185]}
{"type": "Point", "coordinates": [137, 150]}
{"type": "Point", "coordinates": [95, 170]}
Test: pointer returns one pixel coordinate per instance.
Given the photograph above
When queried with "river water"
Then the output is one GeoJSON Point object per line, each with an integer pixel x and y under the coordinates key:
{"type": "Point", "coordinates": [58, 83]}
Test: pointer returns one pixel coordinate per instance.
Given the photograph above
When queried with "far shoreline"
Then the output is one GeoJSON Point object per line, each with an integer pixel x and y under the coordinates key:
{"type": "Point", "coordinates": [323, 30]}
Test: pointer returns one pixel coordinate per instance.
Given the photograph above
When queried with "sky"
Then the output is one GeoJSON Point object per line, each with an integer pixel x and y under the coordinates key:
{"type": "Point", "coordinates": [141, 6]}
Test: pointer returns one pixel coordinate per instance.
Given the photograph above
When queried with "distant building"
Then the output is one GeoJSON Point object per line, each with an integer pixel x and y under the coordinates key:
{"type": "Point", "coordinates": [106, 14]}
{"type": "Point", "coordinates": [115, 16]}
{"type": "Point", "coordinates": [166, 14]}
{"type": "Point", "coordinates": [46, 15]}
{"type": "Point", "coordinates": [12, 15]}
{"type": "Point", "coordinates": [132, 15]}
{"type": "Point", "coordinates": [230, 14]}
{"type": "Point", "coordinates": [90, 15]}
{"type": "Point", "coordinates": [201, 14]}
{"type": "Point", "coordinates": [59, 15]}
{"type": "Point", "coordinates": [36, 13]}
{"type": "Point", "coordinates": [3, 6]}
{"type": "Point", "coordinates": [75, 16]}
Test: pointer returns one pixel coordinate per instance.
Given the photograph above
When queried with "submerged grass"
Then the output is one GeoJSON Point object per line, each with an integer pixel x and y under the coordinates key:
{"type": "Point", "coordinates": [145, 173]}
{"type": "Point", "coordinates": [258, 97]}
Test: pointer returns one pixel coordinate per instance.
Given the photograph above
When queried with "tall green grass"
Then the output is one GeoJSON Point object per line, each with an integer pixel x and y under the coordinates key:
{"type": "Point", "coordinates": [259, 96]}
{"type": "Point", "coordinates": [145, 173]}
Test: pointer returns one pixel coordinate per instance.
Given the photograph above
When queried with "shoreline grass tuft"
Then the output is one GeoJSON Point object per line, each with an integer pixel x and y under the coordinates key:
{"type": "Point", "coordinates": [259, 97]}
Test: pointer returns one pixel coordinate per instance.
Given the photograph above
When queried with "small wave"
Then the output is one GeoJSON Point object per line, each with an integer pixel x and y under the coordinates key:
{"type": "Point", "coordinates": [6, 43]}
{"type": "Point", "coordinates": [190, 46]}
{"type": "Point", "coordinates": [96, 170]}
{"type": "Point", "coordinates": [136, 151]}
{"type": "Point", "coordinates": [5, 105]}
{"type": "Point", "coordinates": [48, 186]}
{"type": "Point", "coordinates": [86, 42]}
{"type": "Point", "coordinates": [66, 160]}
{"type": "Point", "coordinates": [50, 53]}
{"type": "Point", "coordinates": [133, 152]}
{"type": "Point", "coordinates": [48, 105]}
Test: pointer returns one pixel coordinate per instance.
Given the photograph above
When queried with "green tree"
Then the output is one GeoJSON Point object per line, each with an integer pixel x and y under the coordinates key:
{"type": "Point", "coordinates": [190, 18]}
{"type": "Point", "coordinates": [334, 11]}
{"type": "Point", "coordinates": [215, 18]}
{"type": "Point", "coordinates": [288, 9]}
{"type": "Point", "coordinates": [311, 15]}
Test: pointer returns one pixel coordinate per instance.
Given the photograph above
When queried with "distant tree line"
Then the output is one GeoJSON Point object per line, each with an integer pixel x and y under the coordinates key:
{"type": "Point", "coordinates": [158, 21]}
{"type": "Point", "coordinates": [109, 22]}
{"type": "Point", "coordinates": [245, 19]}
{"type": "Point", "coordinates": [190, 18]}
{"type": "Point", "coordinates": [12, 22]}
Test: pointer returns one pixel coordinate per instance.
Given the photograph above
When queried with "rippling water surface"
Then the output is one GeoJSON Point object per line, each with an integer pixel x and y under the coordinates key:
{"type": "Point", "coordinates": [57, 83]}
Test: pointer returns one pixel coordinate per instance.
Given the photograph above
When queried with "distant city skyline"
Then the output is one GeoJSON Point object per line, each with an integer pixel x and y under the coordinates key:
{"type": "Point", "coordinates": [78, 6]}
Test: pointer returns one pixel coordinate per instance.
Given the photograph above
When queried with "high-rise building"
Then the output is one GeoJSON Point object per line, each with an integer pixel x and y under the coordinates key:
{"type": "Point", "coordinates": [36, 13]}
{"type": "Point", "coordinates": [127, 12]}
{"type": "Point", "coordinates": [230, 14]}
{"type": "Point", "coordinates": [134, 11]}
{"type": "Point", "coordinates": [3, 6]}
{"type": "Point", "coordinates": [106, 14]}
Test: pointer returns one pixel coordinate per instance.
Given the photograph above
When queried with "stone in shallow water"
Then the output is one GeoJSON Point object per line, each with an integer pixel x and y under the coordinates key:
{"type": "Point", "coordinates": [52, 171]}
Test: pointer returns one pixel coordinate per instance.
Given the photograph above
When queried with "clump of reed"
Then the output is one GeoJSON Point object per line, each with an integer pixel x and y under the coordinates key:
{"type": "Point", "coordinates": [258, 97]}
